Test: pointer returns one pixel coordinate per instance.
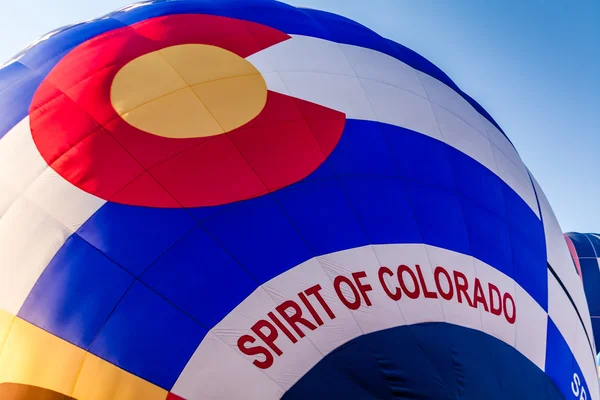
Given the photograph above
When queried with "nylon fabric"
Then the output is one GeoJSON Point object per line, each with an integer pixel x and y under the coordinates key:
{"type": "Point", "coordinates": [444, 371]}
{"type": "Point", "coordinates": [355, 227]}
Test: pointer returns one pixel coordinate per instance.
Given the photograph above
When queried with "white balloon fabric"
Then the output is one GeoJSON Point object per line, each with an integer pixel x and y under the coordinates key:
{"type": "Point", "coordinates": [232, 199]}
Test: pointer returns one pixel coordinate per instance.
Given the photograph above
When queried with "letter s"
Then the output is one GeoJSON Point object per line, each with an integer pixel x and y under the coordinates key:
{"type": "Point", "coordinates": [255, 350]}
{"type": "Point", "coordinates": [576, 382]}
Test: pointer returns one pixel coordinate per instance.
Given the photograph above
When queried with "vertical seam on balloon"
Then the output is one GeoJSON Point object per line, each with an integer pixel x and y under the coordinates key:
{"type": "Point", "coordinates": [449, 163]}
{"type": "Point", "coordinates": [410, 203]}
{"type": "Point", "coordinates": [445, 150]}
{"type": "Point", "coordinates": [510, 236]}
{"type": "Point", "coordinates": [80, 369]}
{"type": "Point", "coordinates": [401, 183]}
{"type": "Point", "coordinates": [3, 344]}
{"type": "Point", "coordinates": [354, 211]}
{"type": "Point", "coordinates": [512, 254]}
{"type": "Point", "coordinates": [456, 191]}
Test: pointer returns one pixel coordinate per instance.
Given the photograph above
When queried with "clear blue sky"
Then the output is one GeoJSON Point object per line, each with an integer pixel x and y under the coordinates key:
{"type": "Point", "coordinates": [533, 64]}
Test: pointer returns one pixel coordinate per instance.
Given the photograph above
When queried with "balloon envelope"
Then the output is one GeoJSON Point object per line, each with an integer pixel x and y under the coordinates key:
{"type": "Point", "coordinates": [585, 249]}
{"type": "Point", "coordinates": [247, 200]}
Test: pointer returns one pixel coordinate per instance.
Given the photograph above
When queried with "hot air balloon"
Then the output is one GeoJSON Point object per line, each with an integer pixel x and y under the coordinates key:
{"type": "Point", "coordinates": [247, 200]}
{"type": "Point", "coordinates": [585, 249]}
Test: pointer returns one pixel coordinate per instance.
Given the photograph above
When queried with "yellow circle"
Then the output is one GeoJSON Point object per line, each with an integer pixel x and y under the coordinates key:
{"type": "Point", "coordinates": [188, 91]}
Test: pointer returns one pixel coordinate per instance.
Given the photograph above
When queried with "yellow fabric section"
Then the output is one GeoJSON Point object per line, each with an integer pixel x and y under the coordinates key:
{"type": "Point", "coordinates": [227, 101]}
{"type": "Point", "coordinates": [136, 83]}
{"type": "Point", "coordinates": [100, 380]}
{"type": "Point", "coordinates": [6, 321]}
{"type": "Point", "coordinates": [32, 356]}
{"type": "Point", "coordinates": [198, 64]}
{"type": "Point", "coordinates": [177, 115]}
{"type": "Point", "coordinates": [187, 91]}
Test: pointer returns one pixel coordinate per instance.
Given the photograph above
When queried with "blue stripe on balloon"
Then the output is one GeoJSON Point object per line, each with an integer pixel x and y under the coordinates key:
{"type": "Point", "coordinates": [583, 245]}
{"type": "Point", "coordinates": [590, 269]}
{"type": "Point", "coordinates": [381, 185]}
{"type": "Point", "coordinates": [587, 247]}
{"type": "Point", "coordinates": [595, 241]}
{"type": "Point", "coordinates": [561, 364]}
{"type": "Point", "coordinates": [41, 57]}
